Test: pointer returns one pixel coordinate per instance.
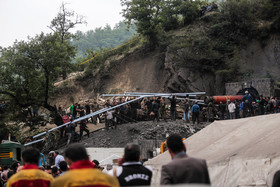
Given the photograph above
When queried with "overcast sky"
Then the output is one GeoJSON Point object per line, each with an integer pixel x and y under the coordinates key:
{"type": "Point", "coordinates": [22, 18]}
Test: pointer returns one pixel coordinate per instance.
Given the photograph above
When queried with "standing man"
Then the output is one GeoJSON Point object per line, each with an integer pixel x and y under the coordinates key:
{"type": "Point", "coordinates": [155, 110]}
{"type": "Point", "coordinates": [222, 110]}
{"type": "Point", "coordinates": [231, 109]}
{"type": "Point", "coordinates": [75, 111]}
{"type": "Point", "coordinates": [132, 172]}
{"type": "Point", "coordinates": [262, 105]}
{"type": "Point", "coordinates": [186, 110]}
{"type": "Point", "coordinates": [82, 171]}
{"type": "Point", "coordinates": [83, 127]}
{"type": "Point", "coordinates": [87, 106]}
{"type": "Point", "coordinates": [57, 158]}
{"type": "Point", "coordinates": [183, 169]}
{"type": "Point", "coordinates": [248, 99]}
{"type": "Point", "coordinates": [163, 109]}
{"type": "Point", "coordinates": [71, 108]}
{"type": "Point", "coordinates": [31, 174]}
{"type": "Point", "coordinates": [95, 107]}
{"type": "Point", "coordinates": [70, 131]}
{"type": "Point", "coordinates": [81, 110]}
{"type": "Point", "coordinates": [173, 107]}
{"type": "Point", "coordinates": [109, 119]}
{"type": "Point", "coordinates": [195, 112]}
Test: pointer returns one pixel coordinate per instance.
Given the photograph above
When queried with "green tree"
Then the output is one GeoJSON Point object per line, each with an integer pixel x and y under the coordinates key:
{"type": "Point", "coordinates": [62, 24]}
{"type": "Point", "coordinates": [145, 15]}
{"type": "Point", "coordinates": [170, 14]}
{"type": "Point", "coordinates": [29, 69]}
{"type": "Point", "coordinates": [189, 10]}
{"type": "Point", "coordinates": [153, 17]}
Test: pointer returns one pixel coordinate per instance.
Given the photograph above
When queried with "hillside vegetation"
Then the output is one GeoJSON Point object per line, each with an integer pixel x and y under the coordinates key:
{"type": "Point", "coordinates": [193, 52]}
{"type": "Point", "coordinates": [101, 38]}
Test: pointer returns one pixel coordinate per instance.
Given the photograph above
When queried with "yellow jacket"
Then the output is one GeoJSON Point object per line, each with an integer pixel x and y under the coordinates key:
{"type": "Point", "coordinates": [30, 175]}
{"type": "Point", "coordinates": [82, 173]}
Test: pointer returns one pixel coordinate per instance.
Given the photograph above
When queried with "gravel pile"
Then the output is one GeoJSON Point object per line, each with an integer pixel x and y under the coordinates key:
{"type": "Point", "coordinates": [146, 130]}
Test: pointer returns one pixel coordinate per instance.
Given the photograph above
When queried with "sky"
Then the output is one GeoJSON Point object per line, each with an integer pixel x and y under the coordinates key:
{"type": "Point", "coordinates": [22, 18]}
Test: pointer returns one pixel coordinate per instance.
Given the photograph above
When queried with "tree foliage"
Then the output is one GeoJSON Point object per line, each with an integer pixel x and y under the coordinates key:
{"type": "Point", "coordinates": [145, 15]}
{"type": "Point", "coordinates": [62, 24]}
{"type": "Point", "coordinates": [29, 69]}
{"type": "Point", "coordinates": [153, 17]}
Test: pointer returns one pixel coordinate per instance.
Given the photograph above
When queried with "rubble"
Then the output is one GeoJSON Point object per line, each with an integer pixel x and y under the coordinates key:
{"type": "Point", "coordinates": [144, 130]}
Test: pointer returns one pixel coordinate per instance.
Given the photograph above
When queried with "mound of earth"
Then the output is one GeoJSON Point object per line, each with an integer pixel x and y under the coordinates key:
{"type": "Point", "coordinates": [145, 130]}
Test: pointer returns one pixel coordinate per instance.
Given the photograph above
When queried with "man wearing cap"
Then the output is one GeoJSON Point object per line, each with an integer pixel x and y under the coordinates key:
{"type": "Point", "coordinates": [82, 171]}
{"type": "Point", "coordinates": [30, 175]}
{"type": "Point", "coordinates": [248, 97]}
{"type": "Point", "coordinates": [183, 169]}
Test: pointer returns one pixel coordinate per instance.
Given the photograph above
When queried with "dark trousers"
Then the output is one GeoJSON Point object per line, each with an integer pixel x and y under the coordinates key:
{"type": "Point", "coordinates": [82, 129]}
{"type": "Point", "coordinates": [110, 123]}
{"type": "Point", "coordinates": [195, 117]}
{"type": "Point", "coordinates": [262, 110]}
{"type": "Point", "coordinates": [173, 114]}
{"type": "Point", "coordinates": [155, 116]}
{"type": "Point", "coordinates": [222, 115]}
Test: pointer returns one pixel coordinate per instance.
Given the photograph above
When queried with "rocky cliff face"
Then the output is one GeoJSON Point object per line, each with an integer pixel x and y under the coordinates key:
{"type": "Point", "coordinates": [182, 79]}
{"type": "Point", "coordinates": [262, 59]}
{"type": "Point", "coordinates": [158, 71]}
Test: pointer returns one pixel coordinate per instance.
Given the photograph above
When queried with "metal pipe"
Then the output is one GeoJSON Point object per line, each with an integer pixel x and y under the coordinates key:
{"type": "Point", "coordinates": [30, 143]}
{"type": "Point", "coordinates": [150, 95]}
{"type": "Point", "coordinates": [89, 115]}
{"type": "Point", "coordinates": [94, 114]}
{"type": "Point", "coordinates": [76, 120]}
{"type": "Point", "coordinates": [120, 95]}
{"type": "Point", "coordinates": [191, 93]}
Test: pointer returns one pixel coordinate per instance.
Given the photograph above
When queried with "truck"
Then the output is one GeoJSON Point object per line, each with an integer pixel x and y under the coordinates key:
{"type": "Point", "coordinates": [10, 152]}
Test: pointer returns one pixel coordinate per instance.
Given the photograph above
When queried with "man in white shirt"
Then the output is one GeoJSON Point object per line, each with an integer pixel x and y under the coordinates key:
{"type": "Point", "coordinates": [231, 110]}
{"type": "Point", "coordinates": [58, 159]}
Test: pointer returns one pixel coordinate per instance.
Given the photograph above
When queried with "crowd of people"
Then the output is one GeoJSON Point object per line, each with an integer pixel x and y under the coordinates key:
{"type": "Point", "coordinates": [246, 107]}
{"type": "Point", "coordinates": [161, 108]}
{"type": "Point", "coordinates": [76, 169]}
{"type": "Point", "coordinates": [61, 170]}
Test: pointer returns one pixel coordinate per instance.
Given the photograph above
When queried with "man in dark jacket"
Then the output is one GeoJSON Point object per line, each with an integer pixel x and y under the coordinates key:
{"type": "Point", "coordinates": [155, 110]}
{"type": "Point", "coordinates": [87, 107]}
{"type": "Point", "coordinates": [132, 172]}
{"type": "Point", "coordinates": [183, 169]}
{"type": "Point", "coordinates": [173, 102]}
{"type": "Point", "coordinates": [195, 112]}
{"type": "Point", "coordinates": [222, 110]}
